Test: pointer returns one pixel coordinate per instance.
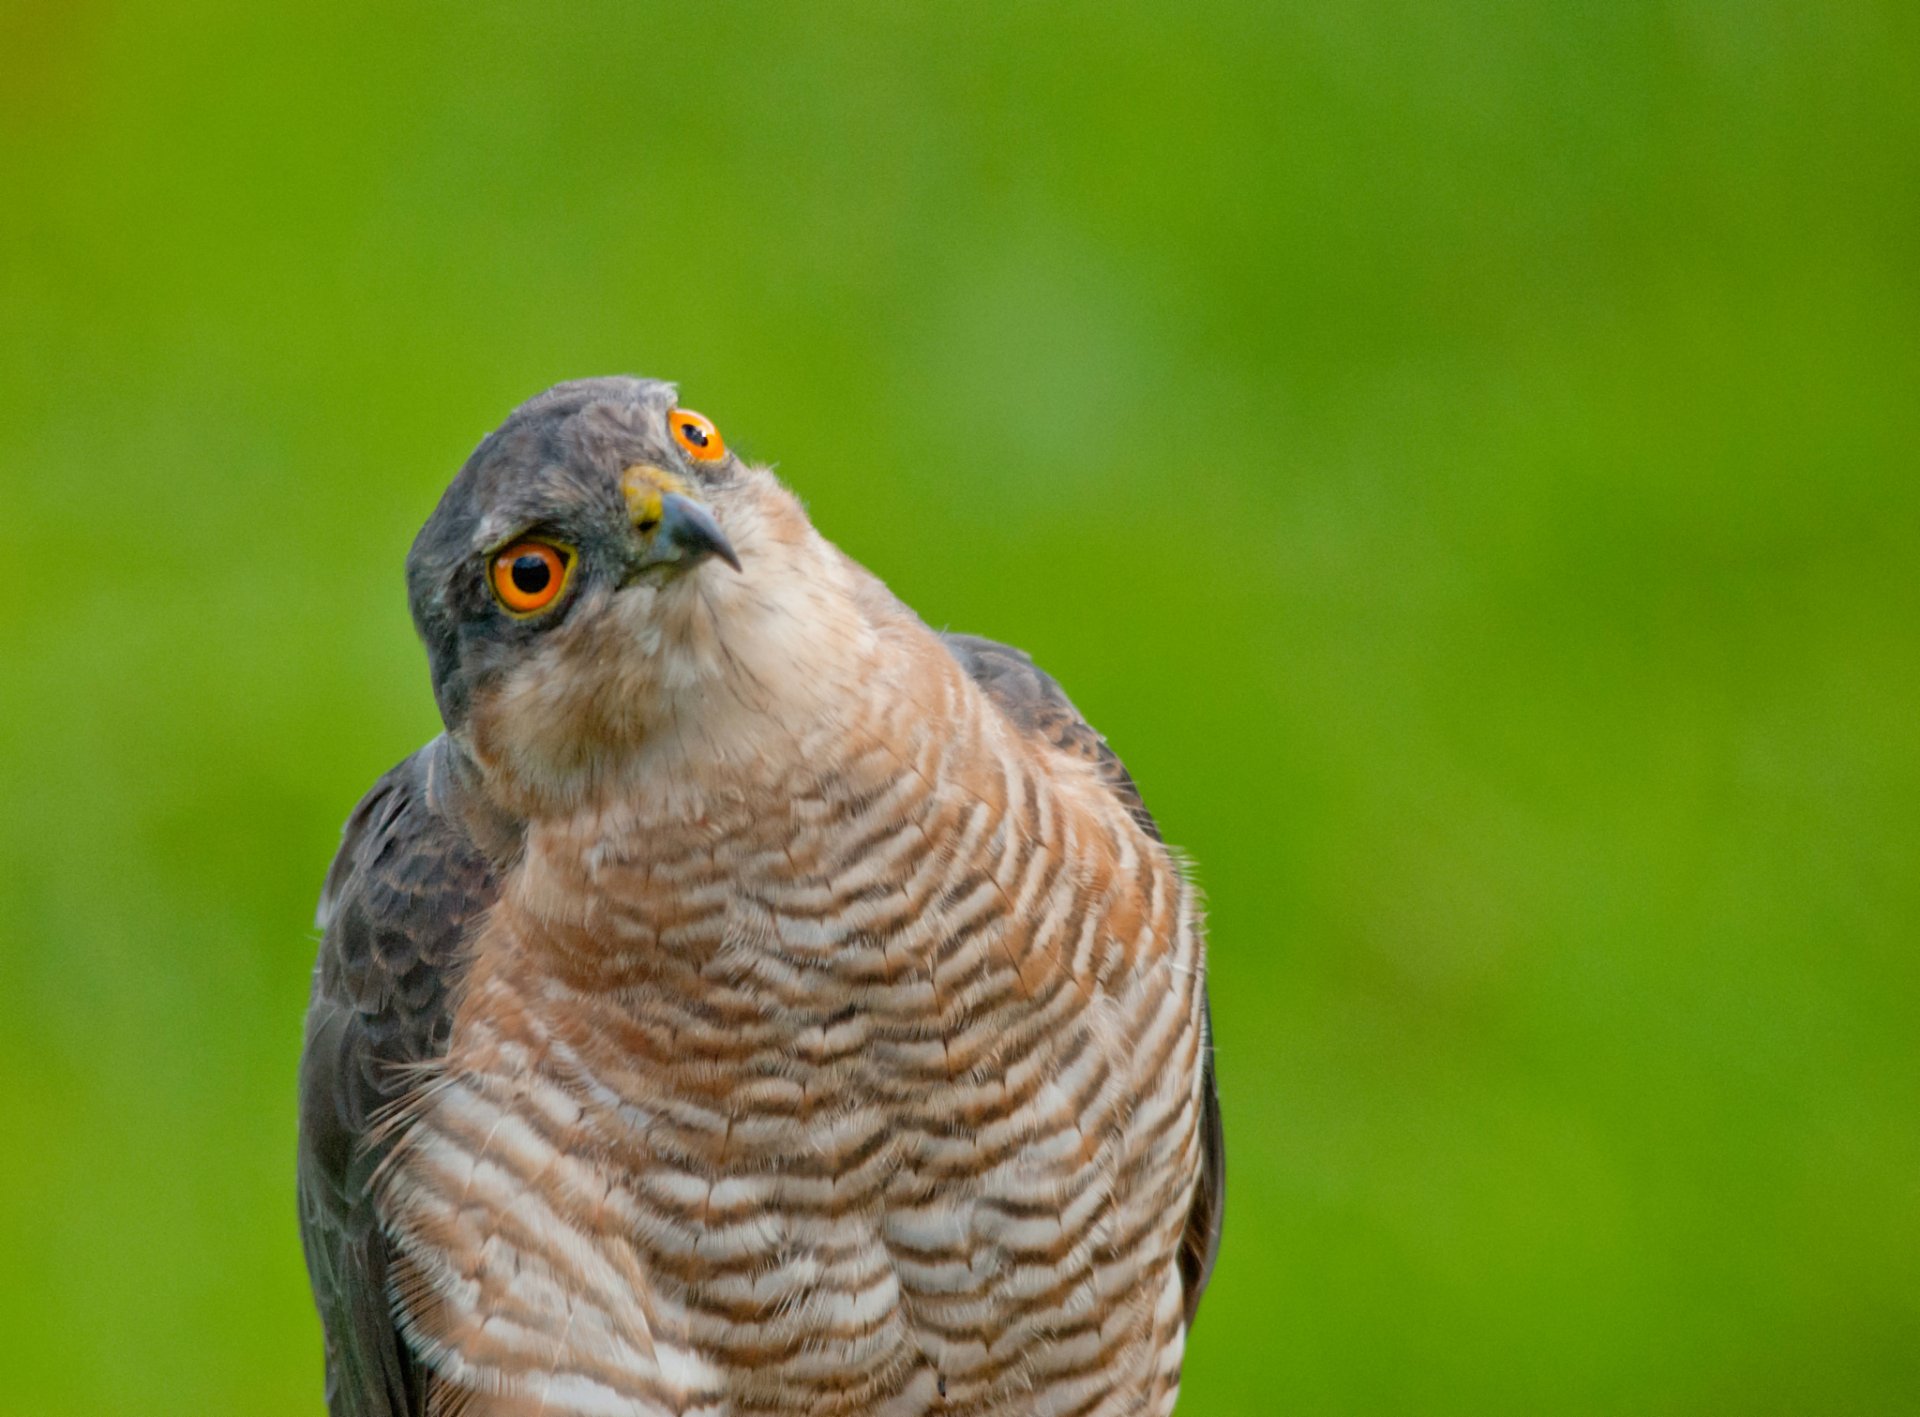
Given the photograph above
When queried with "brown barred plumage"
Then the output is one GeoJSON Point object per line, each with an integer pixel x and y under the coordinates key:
{"type": "Point", "coordinates": [831, 1036]}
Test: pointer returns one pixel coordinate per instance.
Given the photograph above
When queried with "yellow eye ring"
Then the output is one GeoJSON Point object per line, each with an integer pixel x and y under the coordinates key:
{"type": "Point", "coordinates": [528, 576]}
{"type": "Point", "coordinates": [696, 435]}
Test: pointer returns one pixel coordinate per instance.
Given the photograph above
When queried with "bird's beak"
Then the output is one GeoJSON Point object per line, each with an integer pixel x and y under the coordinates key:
{"type": "Point", "coordinates": [674, 530]}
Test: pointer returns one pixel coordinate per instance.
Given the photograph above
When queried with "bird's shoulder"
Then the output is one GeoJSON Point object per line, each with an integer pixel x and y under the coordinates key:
{"type": "Point", "coordinates": [1036, 704]}
{"type": "Point", "coordinates": [402, 895]}
{"type": "Point", "coordinates": [406, 883]}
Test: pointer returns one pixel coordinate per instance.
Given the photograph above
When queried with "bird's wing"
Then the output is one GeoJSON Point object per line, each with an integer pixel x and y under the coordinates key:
{"type": "Point", "coordinates": [1036, 704]}
{"type": "Point", "coordinates": [397, 908]}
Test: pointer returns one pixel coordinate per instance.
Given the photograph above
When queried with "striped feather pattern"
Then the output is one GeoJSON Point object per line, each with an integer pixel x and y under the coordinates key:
{"type": "Point", "coordinates": [871, 1086]}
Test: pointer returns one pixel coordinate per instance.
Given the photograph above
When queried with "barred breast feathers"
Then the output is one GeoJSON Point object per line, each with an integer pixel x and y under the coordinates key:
{"type": "Point", "coordinates": [831, 1036]}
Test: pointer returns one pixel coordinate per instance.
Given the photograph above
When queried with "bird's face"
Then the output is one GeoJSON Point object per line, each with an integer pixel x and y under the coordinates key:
{"type": "Point", "coordinates": [585, 563]}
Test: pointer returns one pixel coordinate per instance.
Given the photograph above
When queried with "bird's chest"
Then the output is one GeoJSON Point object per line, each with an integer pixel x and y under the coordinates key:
{"type": "Point", "coordinates": [759, 1118]}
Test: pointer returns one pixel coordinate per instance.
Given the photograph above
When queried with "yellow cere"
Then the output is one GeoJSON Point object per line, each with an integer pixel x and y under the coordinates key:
{"type": "Point", "coordinates": [644, 486]}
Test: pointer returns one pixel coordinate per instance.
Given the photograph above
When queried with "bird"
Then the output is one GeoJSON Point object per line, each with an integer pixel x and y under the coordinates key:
{"type": "Point", "coordinates": [754, 1001]}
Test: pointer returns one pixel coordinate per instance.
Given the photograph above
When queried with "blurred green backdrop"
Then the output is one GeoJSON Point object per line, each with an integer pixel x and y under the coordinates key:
{"type": "Point", "coordinates": [1464, 455]}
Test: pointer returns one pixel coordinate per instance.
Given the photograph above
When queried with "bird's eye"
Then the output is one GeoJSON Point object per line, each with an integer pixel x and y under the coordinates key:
{"type": "Point", "coordinates": [529, 576]}
{"type": "Point", "coordinates": [696, 434]}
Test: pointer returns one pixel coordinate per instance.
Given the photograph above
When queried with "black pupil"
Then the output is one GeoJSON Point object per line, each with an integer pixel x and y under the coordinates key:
{"type": "Point", "coordinates": [530, 574]}
{"type": "Point", "coordinates": [694, 434]}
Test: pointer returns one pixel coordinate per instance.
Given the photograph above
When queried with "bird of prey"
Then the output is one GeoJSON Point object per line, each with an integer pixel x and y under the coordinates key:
{"type": "Point", "coordinates": [754, 1002]}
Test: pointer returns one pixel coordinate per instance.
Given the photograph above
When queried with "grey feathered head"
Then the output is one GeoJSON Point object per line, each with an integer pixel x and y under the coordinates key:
{"type": "Point", "coordinates": [589, 489]}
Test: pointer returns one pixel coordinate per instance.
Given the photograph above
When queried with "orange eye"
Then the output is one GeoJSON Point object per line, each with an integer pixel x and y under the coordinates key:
{"type": "Point", "coordinates": [529, 575]}
{"type": "Point", "coordinates": [695, 432]}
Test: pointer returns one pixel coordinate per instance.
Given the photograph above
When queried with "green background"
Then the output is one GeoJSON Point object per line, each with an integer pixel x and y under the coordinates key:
{"type": "Point", "coordinates": [1465, 456]}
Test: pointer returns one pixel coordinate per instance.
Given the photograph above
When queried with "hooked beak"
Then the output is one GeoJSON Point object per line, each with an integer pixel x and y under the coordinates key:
{"type": "Point", "coordinates": [675, 530]}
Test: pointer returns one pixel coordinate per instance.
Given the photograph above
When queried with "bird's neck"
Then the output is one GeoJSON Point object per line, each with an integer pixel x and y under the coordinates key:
{"type": "Point", "coordinates": [757, 806]}
{"type": "Point", "coordinates": [756, 682]}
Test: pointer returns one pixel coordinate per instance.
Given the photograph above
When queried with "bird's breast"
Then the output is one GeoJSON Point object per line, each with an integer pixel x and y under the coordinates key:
{"type": "Point", "coordinates": [876, 1095]}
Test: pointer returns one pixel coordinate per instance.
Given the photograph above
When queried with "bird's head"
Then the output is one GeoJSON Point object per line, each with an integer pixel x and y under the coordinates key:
{"type": "Point", "coordinates": [604, 574]}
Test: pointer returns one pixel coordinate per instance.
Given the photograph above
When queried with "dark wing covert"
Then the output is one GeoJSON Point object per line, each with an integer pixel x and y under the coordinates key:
{"type": "Point", "coordinates": [398, 904]}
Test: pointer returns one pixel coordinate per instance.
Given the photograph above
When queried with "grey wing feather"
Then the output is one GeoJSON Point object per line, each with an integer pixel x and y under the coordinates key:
{"type": "Point", "coordinates": [1035, 703]}
{"type": "Point", "coordinates": [1029, 696]}
{"type": "Point", "coordinates": [397, 907]}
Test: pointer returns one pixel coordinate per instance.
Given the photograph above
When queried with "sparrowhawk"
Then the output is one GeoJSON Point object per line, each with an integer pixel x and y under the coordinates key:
{"type": "Point", "coordinates": [754, 1001]}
